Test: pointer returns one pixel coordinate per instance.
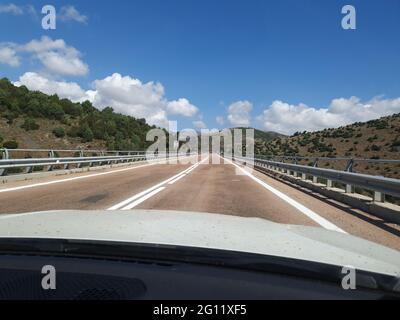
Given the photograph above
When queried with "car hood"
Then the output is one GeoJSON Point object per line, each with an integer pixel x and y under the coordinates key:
{"type": "Point", "coordinates": [206, 230]}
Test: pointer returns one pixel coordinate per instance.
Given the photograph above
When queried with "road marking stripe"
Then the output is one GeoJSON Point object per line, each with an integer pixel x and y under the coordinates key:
{"type": "Point", "coordinates": [141, 194]}
{"type": "Point", "coordinates": [124, 204]}
{"type": "Point", "coordinates": [177, 179]}
{"type": "Point", "coordinates": [142, 199]}
{"type": "Point", "coordinates": [192, 169]}
{"type": "Point", "coordinates": [309, 213]}
{"type": "Point", "coordinates": [78, 178]}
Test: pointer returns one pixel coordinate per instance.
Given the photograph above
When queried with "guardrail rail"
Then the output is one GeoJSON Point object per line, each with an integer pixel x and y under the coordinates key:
{"type": "Point", "coordinates": [380, 186]}
{"type": "Point", "coordinates": [53, 160]}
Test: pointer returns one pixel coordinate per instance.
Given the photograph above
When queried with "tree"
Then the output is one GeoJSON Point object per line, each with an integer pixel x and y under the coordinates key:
{"type": "Point", "coordinates": [30, 124]}
{"type": "Point", "coordinates": [86, 133]}
{"type": "Point", "coordinates": [88, 107]}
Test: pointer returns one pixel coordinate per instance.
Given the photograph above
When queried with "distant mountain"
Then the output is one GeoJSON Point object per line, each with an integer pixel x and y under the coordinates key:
{"type": "Point", "coordinates": [263, 135]}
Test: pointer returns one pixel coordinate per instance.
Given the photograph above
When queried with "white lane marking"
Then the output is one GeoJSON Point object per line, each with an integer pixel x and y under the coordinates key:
{"type": "Point", "coordinates": [192, 169]}
{"type": "Point", "coordinates": [177, 179]}
{"type": "Point", "coordinates": [142, 199]}
{"type": "Point", "coordinates": [141, 194]}
{"type": "Point", "coordinates": [309, 213]}
{"type": "Point", "coordinates": [125, 204]}
{"type": "Point", "coordinates": [77, 178]}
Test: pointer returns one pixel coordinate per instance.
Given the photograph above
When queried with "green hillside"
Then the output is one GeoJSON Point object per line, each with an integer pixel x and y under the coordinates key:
{"type": "Point", "coordinates": [31, 119]}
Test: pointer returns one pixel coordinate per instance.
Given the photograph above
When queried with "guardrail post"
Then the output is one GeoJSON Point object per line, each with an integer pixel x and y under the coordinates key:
{"type": "Point", "coordinates": [295, 173]}
{"type": "Point", "coordinates": [379, 197]}
{"type": "Point", "coordinates": [329, 183]}
{"type": "Point", "coordinates": [349, 168]}
{"type": "Point", "coordinates": [102, 154]}
{"type": "Point", "coordinates": [5, 156]}
{"type": "Point", "coordinates": [117, 154]}
{"type": "Point", "coordinates": [80, 156]}
{"type": "Point", "coordinates": [315, 165]}
{"type": "Point", "coordinates": [29, 169]}
{"type": "Point", "coordinates": [51, 155]}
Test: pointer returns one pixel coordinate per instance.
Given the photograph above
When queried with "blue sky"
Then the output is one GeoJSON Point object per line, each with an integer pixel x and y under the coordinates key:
{"type": "Point", "coordinates": [246, 62]}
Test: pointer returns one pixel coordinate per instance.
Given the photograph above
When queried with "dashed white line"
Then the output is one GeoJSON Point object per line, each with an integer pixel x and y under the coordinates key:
{"type": "Point", "coordinates": [309, 213]}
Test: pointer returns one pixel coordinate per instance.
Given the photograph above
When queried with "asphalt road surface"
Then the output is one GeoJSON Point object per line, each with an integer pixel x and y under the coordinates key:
{"type": "Point", "coordinates": [200, 186]}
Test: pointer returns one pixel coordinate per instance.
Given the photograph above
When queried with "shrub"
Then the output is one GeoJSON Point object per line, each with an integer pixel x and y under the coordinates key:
{"type": "Point", "coordinates": [85, 133]}
{"type": "Point", "coordinates": [12, 144]}
{"type": "Point", "coordinates": [59, 132]}
{"type": "Point", "coordinates": [73, 132]}
{"type": "Point", "coordinates": [396, 143]}
{"type": "Point", "coordinates": [374, 147]}
{"type": "Point", "coordinates": [10, 116]}
{"type": "Point", "coordinates": [30, 124]}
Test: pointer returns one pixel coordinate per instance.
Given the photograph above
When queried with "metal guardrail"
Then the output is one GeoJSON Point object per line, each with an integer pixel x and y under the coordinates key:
{"type": "Point", "coordinates": [82, 152]}
{"type": "Point", "coordinates": [315, 160]}
{"type": "Point", "coordinates": [381, 186]}
{"type": "Point", "coordinates": [52, 161]}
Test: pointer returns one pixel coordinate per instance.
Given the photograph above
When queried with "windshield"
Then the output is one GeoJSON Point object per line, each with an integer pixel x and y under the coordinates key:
{"type": "Point", "coordinates": [257, 127]}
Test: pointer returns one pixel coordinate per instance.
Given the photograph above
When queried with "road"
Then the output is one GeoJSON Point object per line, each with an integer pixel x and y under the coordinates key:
{"type": "Point", "coordinates": [204, 187]}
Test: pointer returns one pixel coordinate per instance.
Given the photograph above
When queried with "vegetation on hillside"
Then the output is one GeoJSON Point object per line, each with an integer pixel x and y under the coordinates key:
{"type": "Point", "coordinates": [57, 119]}
{"type": "Point", "coordinates": [375, 139]}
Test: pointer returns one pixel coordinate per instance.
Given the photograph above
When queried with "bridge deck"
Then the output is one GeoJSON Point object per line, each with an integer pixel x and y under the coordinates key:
{"type": "Point", "coordinates": [204, 188]}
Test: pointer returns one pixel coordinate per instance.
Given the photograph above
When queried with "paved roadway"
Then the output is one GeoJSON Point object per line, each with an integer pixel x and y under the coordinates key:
{"type": "Point", "coordinates": [203, 187]}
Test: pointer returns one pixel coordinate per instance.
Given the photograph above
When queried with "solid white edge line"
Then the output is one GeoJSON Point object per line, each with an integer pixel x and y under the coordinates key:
{"type": "Point", "coordinates": [142, 199]}
{"type": "Point", "coordinates": [309, 213]}
{"type": "Point", "coordinates": [82, 177]}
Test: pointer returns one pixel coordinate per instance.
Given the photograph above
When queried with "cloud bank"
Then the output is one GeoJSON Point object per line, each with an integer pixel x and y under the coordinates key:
{"type": "Point", "coordinates": [287, 118]}
{"type": "Point", "coordinates": [127, 95]}
{"type": "Point", "coordinates": [56, 57]}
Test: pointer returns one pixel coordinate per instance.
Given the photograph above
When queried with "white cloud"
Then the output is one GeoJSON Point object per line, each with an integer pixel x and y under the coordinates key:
{"type": "Point", "coordinates": [69, 90]}
{"type": "Point", "coordinates": [132, 97]}
{"type": "Point", "coordinates": [18, 10]}
{"type": "Point", "coordinates": [220, 120]}
{"type": "Point", "coordinates": [55, 55]}
{"type": "Point", "coordinates": [285, 118]}
{"type": "Point", "coordinates": [11, 8]}
{"type": "Point", "coordinates": [239, 113]}
{"type": "Point", "coordinates": [199, 125]}
{"type": "Point", "coordinates": [69, 13]}
{"type": "Point", "coordinates": [126, 95]}
{"type": "Point", "coordinates": [8, 55]}
{"type": "Point", "coordinates": [182, 107]}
